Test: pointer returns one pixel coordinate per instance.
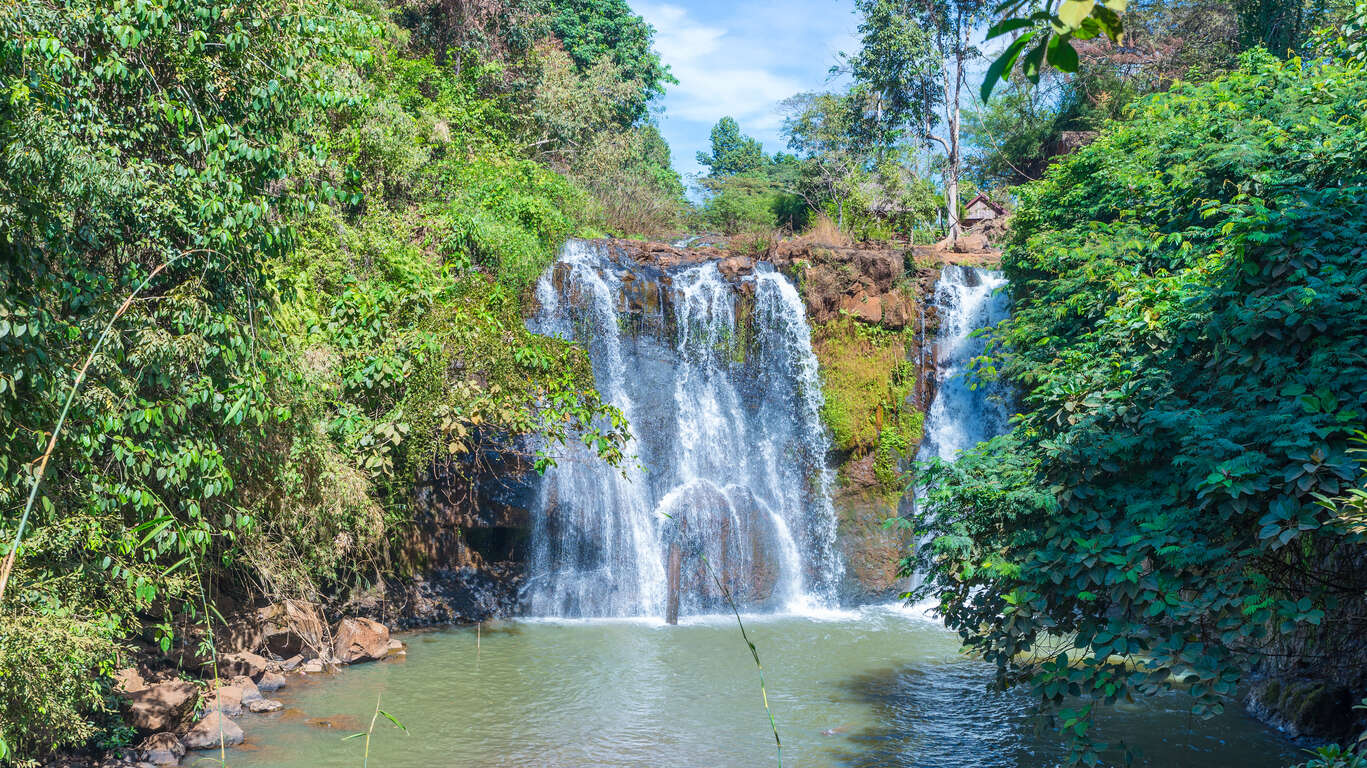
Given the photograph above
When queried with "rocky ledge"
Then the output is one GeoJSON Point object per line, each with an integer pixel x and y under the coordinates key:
{"type": "Point", "coordinates": [203, 704]}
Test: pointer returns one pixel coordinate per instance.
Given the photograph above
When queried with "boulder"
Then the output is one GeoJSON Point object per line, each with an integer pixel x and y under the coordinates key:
{"type": "Point", "coordinates": [264, 705]}
{"type": "Point", "coordinates": [289, 664]}
{"type": "Point", "coordinates": [733, 267]}
{"type": "Point", "coordinates": [895, 314]}
{"type": "Point", "coordinates": [311, 667]}
{"type": "Point", "coordinates": [161, 749]}
{"type": "Point", "coordinates": [129, 680]}
{"type": "Point", "coordinates": [213, 730]}
{"type": "Point", "coordinates": [248, 664]}
{"type": "Point", "coordinates": [864, 307]}
{"type": "Point", "coordinates": [249, 690]}
{"type": "Point", "coordinates": [357, 640]}
{"type": "Point", "coordinates": [160, 707]}
{"type": "Point", "coordinates": [971, 242]}
{"type": "Point", "coordinates": [271, 681]}
{"type": "Point", "coordinates": [226, 699]}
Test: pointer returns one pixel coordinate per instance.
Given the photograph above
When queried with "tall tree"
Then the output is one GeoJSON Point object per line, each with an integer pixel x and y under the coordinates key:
{"type": "Point", "coordinates": [821, 127]}
{"type": "Point", "coordinates": [914, 57]}
{"type": "Point", "coordinates": [732, 151]}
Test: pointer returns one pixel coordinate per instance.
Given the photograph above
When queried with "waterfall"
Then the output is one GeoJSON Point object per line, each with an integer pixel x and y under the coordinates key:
{"type": "Point", "coordinates": [719, 382]}
{"type": "Point", "coordinates": [966, 300]}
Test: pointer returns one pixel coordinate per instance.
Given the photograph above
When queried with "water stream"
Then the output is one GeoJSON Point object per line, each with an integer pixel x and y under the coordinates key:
{"type": "Point", "coordinates": [720, 384]}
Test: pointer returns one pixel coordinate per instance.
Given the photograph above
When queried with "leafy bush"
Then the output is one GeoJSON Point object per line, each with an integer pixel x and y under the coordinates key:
{"type": "Point", "coordinates": [53, 673]}
{"type": "Point", "coordinates": [1189, 335]}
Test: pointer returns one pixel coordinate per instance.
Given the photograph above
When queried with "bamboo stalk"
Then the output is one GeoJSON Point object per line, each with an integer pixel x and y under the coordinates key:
{"type": "Point", "coordinates": [42, 461]}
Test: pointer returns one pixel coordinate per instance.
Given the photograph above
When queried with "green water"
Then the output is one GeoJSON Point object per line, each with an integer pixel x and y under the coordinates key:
{"type": "Point", "coordinates": [876, 687]}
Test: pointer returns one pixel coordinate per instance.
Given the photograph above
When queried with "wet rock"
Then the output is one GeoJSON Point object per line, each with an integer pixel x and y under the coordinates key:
{"type": "Point", "coordinates": [214, 729]}
{"type": "Point", "coordinates": [732, 267]}
{"type": "Point", "coordinates": [312, 667]}
{"type": "Point", "coordinates": [395, 647]}
{"type": "Point", "coordinates": [160, 707]}
{"type": "Point", "coordinates": [263, 705]}
{"type": "Point", "coordinates": [271, 681]}
{"type": "Point", "coordinates": [248, 664]}
{"type": "Point", "coordinates": [161, 749]}
{"type": "Point", "coordinates": [357, 640]}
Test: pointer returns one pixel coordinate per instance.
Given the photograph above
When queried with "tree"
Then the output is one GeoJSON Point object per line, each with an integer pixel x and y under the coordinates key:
{"type": "Point", "coordinates": [732, 151]}
{"type": "Point", "coordinates": [822, 128]}
{"type": "Point", "coordinates": [591, 29]}
{"type": "Point", "coordinates": [914, 58]}
{"type": "Point", "coordinates": [1165, 495]}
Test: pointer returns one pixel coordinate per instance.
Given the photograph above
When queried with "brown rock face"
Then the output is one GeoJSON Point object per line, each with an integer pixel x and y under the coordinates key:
{"type": "Point", "coordinates": [213, 730]}
{"type": "Point", "coordinates": [160, 707]}
{"type": "Point", "coordinates": [357, 640]}
{"type": "Point", "coordinates": [862, 282]}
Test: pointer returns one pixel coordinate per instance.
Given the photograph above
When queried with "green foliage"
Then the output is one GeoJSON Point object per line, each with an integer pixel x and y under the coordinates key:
{"type": "Point", "coordinates": [139, 135]}
{"type": "Point", "coordinates": [732, 151]}
{"type": "Point", "coordinates": [593, 29]}
{"type": "Point", "coordinates": [53, 673]}
{"type": "Point", "coordinates": [1188, 334]}
{"type": "Point", "coordinates": [352, 233]}
{"type": "Point", "coordinates": [866, 381]}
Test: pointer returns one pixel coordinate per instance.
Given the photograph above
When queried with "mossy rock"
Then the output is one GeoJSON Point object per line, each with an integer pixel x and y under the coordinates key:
{"type": "Point", "coordinates": [1304, 707]}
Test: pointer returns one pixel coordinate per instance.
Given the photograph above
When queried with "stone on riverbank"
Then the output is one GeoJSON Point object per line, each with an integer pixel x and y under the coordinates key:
{"type": "Point", "coordinates": [262, 704]}
{"type": "Point", "coordinates": [357, 640]}
{"type": "Point", "coordinates": [248, 664]}
{"type": "Point", "coordinates": [214, 729]}
{"type": "Point", "coordinates": [162, 749]}
{"type": "Point", "coordinates": [226, 699]}
{"type": "Point", "coordinates": [160, 707]}
{"type": "Point", "coordinates": [270, 681]}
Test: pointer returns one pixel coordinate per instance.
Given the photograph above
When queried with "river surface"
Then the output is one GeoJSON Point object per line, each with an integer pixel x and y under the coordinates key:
{"type": "Point", "coordinates": [873, 687]}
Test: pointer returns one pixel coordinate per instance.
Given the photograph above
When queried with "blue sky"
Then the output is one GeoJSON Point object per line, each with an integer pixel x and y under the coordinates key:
{"type": "Point", "coordinates": [741, 58]}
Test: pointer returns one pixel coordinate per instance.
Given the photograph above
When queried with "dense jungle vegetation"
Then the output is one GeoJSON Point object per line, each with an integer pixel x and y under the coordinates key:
{"type": "Point", "coordinates": [317, 224]}
{"type": "Point", "coordinates": [328, 217]}
{"type": "Point", "coordinates": [1180, 501]}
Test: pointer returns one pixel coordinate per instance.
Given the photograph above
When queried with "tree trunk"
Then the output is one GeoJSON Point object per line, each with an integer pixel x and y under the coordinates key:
{"type": "Point", "coordinates": [953, 85]}
{"type": "Point", "coordinates": [840, 214]}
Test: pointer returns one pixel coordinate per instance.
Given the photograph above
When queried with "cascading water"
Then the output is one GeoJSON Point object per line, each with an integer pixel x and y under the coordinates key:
{"type": "Point", "coordinates": [720, 385]}
{"type": "Point", "coordinates": [966, 300]}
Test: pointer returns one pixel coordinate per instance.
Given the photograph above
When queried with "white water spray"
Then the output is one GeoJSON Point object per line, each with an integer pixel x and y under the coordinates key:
{"type": "Point", "coordinates": [720, 385]}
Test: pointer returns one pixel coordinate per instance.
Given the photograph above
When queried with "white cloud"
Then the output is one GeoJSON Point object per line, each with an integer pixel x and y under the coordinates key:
{"type": "Point", "coordinates": [741, 58]}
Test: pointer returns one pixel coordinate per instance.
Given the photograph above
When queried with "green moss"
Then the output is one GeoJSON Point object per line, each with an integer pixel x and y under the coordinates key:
{"type": "Point", "coordinates": [866, 382]}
